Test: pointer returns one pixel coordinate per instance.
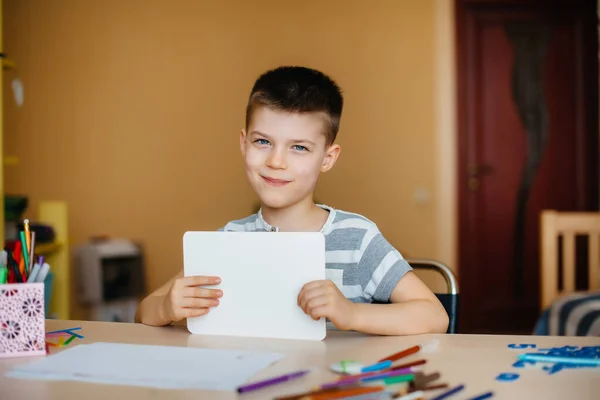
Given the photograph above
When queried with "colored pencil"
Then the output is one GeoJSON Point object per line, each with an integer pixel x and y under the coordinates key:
{"type": "Point", "coordinates": [69, 340]}
{"type": "Point", "coordinates": [65, 330]}
{"type": "Point", "coordinates": [32, 251]}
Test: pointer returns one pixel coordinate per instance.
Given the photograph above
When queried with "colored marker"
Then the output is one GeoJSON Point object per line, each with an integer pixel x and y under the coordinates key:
{"type": "Point", "coordinates": [449, 393]}
{"type": "Point", "coordinates": [429, 387]}
{"type": "Point", "coordinates": [559, 359]}
{"type": "Point", "coordinates": [34, 273]}
{"type": "Point", "coordinates": [369, 376]}
{"type": "Point", "coordinates": [392, 380]}
{"type": "Point", "coordinates": [3, 274]}
{"type": "Point", "coordinates": [271, 381]}
{"type": "Point", "coordinates": [410, 350]}
{"type": "Point", "coordinates": [344, 394]}
{"type": "Point", "coordinates": [408, 365]}
{"type": "Point", "coordinates": [43, 273]}
{"type": "Point", "coordinates": [483, 396]}
{"type": "Point", "coordinates": [378, 366]}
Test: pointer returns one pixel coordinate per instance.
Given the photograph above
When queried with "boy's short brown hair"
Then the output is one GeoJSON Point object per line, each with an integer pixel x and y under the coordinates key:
{"type": "Point", "coordinates": [298, 90]}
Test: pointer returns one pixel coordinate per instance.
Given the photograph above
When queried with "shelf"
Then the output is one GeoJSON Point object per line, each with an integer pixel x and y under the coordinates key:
{"type": "Point", "coordinates": [47, 248]}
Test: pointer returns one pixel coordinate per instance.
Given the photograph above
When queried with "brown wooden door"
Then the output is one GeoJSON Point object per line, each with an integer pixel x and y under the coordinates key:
{"type": "Point", "coordinates": [528, 140]}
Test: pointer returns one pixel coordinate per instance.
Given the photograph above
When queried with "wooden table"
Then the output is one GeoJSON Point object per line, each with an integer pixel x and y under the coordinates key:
{"type": "Point", "coordinates": [475, 360]}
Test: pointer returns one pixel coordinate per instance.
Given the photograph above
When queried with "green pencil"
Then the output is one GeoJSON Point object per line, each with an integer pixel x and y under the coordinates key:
{"type": "Point", "coordinates": [69, 340]}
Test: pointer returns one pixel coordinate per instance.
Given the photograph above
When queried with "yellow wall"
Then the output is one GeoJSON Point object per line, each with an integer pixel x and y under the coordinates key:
{"type": "Point", "coordinates": [132, 112]}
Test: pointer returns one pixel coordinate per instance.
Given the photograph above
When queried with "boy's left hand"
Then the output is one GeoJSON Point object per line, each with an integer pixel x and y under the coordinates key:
{"type": "Point", "coordinates": [323, 299]}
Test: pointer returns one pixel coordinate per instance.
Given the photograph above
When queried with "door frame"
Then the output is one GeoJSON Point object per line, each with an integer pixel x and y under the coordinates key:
{"type": "Point", "coordinates": [587, 130]}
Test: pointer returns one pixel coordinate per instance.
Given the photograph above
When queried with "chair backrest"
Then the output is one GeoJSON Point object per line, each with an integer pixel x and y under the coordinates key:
{"type": "Point", "coordinates": [450, 299]}
{"type": "Point", "coordinates": [554, 224]}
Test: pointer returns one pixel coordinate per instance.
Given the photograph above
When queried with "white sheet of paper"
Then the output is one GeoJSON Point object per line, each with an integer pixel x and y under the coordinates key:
{"type": "Point", "coordinates": [262, 274]}
{"type": "Point", "coordinates": [165, 367]}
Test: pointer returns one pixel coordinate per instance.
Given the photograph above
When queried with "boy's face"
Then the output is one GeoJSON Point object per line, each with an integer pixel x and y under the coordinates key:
{"type": "Point", "coordinates": [284, 154]}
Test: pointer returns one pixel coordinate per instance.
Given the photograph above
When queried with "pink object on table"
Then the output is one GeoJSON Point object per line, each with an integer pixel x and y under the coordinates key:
{"type": "Point", "coordinates": [22, 320]}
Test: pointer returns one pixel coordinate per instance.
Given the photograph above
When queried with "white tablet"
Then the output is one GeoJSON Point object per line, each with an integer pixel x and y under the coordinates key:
{"type": "Point", "coordinates": [261, 276]}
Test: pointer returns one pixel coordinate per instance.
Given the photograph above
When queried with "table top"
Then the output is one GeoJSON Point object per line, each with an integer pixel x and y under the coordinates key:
{"type": "Point", "coordinates": [473, 360]}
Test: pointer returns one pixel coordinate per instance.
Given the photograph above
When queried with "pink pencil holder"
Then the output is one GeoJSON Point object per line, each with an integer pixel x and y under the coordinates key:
{"type": "Point", "coordinates": [22, 320]}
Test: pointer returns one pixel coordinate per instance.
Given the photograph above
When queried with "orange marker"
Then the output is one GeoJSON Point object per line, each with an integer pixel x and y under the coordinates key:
{"type": "Point", "coordinates": [333, 393]}
{"type": "Point", "coordinates": [409, 351]}
{"type": "Point", "coordinates": [343, 393]}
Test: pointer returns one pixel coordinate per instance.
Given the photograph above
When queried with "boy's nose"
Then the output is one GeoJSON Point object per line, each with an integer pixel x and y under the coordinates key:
{"type": "Point", "coordinates": [277, 159]}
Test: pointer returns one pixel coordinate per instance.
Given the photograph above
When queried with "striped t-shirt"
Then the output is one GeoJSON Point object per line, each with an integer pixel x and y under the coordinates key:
{"type": "Point", "coordinates": [358, 259]}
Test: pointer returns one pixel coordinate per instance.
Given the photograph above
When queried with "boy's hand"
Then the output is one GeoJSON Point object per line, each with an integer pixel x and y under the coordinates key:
{"type": "Point", "coordinates": [323, 299]}
{"type": "Point", "coordinates": [186, 299]}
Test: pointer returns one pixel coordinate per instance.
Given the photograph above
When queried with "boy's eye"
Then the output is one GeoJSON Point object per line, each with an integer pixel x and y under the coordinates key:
{"type": "Point", "coordinates": [262, 141]}
{"type": "Point", "coordinates": [298, 147]}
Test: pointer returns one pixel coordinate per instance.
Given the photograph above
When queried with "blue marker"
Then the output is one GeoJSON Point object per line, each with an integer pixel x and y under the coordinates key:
{"type": "Point", "coordinates": [560, 359]}
{"type": "Point", "coordinates": [483, 396]}
{"type": "Point", "coordinates": [449, 392]}
{"type": "Point", "coordinates": [377, 367]}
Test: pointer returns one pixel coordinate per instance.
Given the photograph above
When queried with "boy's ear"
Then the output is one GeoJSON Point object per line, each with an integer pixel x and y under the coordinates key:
{"type": "Point", "coordinates": [243, 141]}
{"type": "Point", "coordinates": [331, 155]}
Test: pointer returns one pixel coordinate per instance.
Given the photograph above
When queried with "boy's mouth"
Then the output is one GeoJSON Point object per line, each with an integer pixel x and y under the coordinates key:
{"type": "Point", "coordinates": [274, 182]}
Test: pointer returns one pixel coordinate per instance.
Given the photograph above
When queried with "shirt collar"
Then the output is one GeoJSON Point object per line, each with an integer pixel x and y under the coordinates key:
{"type": "Point", "coordinates": [262, 224]}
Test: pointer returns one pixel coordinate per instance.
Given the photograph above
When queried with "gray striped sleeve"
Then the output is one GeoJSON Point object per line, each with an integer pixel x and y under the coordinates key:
{"type": "Point", "coordinates": [380, 269]}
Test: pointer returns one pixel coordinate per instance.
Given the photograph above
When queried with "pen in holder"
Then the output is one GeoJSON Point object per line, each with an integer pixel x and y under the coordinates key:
{"type": "Point", "coordinates": [22, 320]}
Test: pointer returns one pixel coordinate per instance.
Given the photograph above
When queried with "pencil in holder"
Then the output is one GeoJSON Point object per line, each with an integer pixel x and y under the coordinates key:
{"type": "Point", "coordinates": [22, 320]}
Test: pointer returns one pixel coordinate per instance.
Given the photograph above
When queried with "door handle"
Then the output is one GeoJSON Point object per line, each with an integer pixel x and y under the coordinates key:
{"type": "Point", "coordinates": [475, 172]}
{"type": "Point", "coordinates": [479, 169]}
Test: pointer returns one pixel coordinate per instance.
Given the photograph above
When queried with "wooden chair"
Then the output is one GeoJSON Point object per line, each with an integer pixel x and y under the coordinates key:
{"type": "Point", "coordinates": [567, 224]}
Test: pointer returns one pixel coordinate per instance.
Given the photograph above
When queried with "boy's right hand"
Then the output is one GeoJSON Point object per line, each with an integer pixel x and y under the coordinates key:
{"type": "Point", "coordinates": [186, 298]}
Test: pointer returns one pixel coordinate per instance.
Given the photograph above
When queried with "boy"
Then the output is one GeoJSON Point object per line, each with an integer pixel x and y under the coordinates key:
{"type": "Point", "coordinates": [292, 118]}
